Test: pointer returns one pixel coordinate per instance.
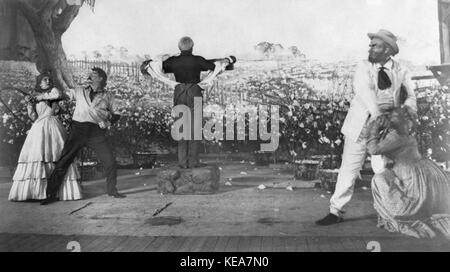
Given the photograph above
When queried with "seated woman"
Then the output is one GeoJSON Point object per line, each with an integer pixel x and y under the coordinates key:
{"type": "Point", "coordinates": [413, 197]}
{"type": "Point", "coordinates": [42, 148]}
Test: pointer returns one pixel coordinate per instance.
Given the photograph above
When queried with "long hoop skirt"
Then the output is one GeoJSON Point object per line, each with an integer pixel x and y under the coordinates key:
{"type": "Point", "coordinates": [413, 199]}
{"type": "Point", "coordinates": [40, 152]}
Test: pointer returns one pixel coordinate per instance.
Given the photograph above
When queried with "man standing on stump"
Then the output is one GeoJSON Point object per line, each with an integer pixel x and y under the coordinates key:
{"type": "Point", "coordinates": [187, 69]}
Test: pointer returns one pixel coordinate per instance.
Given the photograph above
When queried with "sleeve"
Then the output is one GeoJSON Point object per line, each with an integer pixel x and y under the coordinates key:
{"type": "Point", "coordinates": [167, 65]}
{"type": "Point", "coordinates": [411, 100]}
{"type": "Point", "coordinates": [71, 93]}
{"type": "Point", "coordinates": [391, 142]}
{"type": "Point", "coordinates": [206, 65]}
{"type": "Point", "coordinates": [54, 94]}
{"type": "Point", "coordinates": [364, 92]}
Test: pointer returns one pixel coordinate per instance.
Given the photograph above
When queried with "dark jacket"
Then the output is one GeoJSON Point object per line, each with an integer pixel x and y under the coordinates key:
{"type": "Point", "coordinates": [187, 67]}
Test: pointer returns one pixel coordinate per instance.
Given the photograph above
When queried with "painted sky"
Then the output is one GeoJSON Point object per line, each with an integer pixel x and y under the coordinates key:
{"type": "Point", "coordinates": [327, 30]}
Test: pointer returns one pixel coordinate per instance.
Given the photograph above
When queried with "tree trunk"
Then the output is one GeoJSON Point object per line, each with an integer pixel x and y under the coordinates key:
{"type": "Point", "coordinates": [53, 58]}
{"type": "Point", "coordinates": [48, 30]}
{"type": "Point", "coordinates": [13, 44]}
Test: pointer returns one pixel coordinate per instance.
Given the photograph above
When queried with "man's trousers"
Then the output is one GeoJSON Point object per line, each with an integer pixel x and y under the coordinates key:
{"type": "Point", "coordinates": [84, 134]}
{"type": "Point", "coordinates": [188, 150]}
{"type": "Point", "coordinates": [353, 158]}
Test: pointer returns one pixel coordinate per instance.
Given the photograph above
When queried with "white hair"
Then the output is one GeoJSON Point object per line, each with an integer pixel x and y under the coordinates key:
{"type": "Point", "coordinates": [186, 44]}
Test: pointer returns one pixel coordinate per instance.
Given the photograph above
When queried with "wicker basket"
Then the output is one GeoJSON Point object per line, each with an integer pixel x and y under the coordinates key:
{"type": "Point", "coordinates": [307, 170]}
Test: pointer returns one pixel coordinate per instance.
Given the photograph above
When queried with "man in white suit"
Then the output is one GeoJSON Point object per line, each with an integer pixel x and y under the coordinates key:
{"type": "Point", "coordinates": [378, 85]}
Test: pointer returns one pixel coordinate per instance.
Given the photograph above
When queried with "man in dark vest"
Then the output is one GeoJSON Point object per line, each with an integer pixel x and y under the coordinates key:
{"type": "Point", "coordinates": [187, 69]}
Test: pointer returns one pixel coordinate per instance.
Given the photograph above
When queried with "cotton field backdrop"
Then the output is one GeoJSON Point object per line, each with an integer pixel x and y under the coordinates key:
{"type": "Point", "coordinates": [313, 98]}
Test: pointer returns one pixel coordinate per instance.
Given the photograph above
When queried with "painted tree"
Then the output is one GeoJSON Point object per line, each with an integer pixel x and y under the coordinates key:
{"type": "Point", "coordinates": [265, 48]}
{"type": "Point", "coordinates": [296, 52]}
{"type": "Point", "coordinates": [49, 20]}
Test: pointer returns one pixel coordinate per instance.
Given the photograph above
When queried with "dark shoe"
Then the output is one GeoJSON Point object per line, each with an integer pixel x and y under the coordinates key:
{"type": "Point", "coordinates": [117, 195]}
{"type": "Point", "coordinates": [49, 200]}
{"type": "Point", "coordinates": [330, 219]}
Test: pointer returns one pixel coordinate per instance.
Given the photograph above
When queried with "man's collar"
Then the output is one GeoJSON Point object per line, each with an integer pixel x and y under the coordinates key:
{"type": "Point", "coordinates": [389, 65]}
{"type": "Point", "coordinates": [186, 53]}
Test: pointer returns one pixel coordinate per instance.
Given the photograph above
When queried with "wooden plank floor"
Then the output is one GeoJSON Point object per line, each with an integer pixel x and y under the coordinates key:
{"type": "Point", "coordinates": [58, 243]}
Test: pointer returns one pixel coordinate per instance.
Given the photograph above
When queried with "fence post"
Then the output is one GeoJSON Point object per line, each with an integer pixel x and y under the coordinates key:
{"type": "Point", "coordinates": [138, 72]}
{"type": "Point", "coordinates": [108, 67]}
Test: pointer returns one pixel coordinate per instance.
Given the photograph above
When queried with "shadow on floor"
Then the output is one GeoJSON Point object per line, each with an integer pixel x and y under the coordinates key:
{"type": "Point", "coordinates": [373, 217]}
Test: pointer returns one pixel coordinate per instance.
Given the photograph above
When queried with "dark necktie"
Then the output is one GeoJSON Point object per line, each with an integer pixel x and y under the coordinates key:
{"type": "Point", "coordinates": [92, 95]}
{"type": "Point", "coordinates": [384, 82]}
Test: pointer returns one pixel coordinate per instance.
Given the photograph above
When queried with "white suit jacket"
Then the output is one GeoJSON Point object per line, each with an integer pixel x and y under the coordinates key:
{"type": "Point", "coordinates": [365, 101]}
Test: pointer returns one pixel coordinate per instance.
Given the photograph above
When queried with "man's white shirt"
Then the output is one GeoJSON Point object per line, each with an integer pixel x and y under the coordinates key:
{"type": "Point", "coordinates": [98, 111]}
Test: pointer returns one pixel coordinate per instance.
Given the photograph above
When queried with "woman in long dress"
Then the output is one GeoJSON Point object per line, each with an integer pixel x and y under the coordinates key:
{"type": "Point", "coordinates": [42, 148]}
{"type": "Point", "coordinates": [413, 197]}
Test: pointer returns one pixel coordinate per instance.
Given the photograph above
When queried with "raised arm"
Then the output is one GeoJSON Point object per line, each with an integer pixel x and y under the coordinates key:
{"type": "Point", "coordinates": [206, 65]}
{"type": "Point", "coordinates": [167, 65]}
{"type": "Point", "coordinates": [231, 60]}
{"type": "Point", "coordinates": [70, 94]}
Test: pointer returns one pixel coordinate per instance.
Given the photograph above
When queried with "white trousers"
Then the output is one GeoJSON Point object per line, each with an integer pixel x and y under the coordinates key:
{"type": "Point", "coordinates": [355, 154]}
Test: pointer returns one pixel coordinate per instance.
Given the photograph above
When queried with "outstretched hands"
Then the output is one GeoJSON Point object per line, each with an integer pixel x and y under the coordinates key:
{"type": "Point", "coordinates": [30, 99]}
{"type": "Point", "coordinates": [232, 59]}
{"type": "Point", "coordinates": [144, 67]}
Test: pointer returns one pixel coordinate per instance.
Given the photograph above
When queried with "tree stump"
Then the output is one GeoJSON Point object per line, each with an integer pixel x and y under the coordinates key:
{"type": "Point", "coordinates": [307, 170]}
{"type": "Point", "coordinates": [204, 180]}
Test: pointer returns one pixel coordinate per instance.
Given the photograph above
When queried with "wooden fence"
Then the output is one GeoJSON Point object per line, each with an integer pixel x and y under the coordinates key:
{"type": "Point", "coordinates": [218, 93]}
{"type": "Point", "coordinates": [214, 94]}
{"type": "Point", "coordinates": [131, 70]}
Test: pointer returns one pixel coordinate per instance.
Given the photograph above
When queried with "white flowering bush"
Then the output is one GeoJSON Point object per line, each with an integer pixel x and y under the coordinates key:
{"type": "Point", "coordinates": [313, 128]}
{"type": "Point", "coordinates": [14, 122]}
{"type": "Point", "coordinates": [313, 102]}
{"type": "Point", "coordinates": [140, 127]}
{"type": "Point", "coordinates": [434, 123]}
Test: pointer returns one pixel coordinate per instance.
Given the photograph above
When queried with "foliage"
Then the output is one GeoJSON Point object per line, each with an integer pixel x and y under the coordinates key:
{"type": "Point", "coordinates": [434, 123]}
{"type": "Point", "coordinates": [310, 118]}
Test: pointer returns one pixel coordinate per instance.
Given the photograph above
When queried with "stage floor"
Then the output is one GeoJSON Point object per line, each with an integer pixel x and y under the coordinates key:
{"type": "Point", "coordinates": [239, 217]}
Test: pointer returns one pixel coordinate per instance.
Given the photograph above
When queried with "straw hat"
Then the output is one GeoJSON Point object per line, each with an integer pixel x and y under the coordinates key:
{"type": "Point", "coordinates": [387, 37]}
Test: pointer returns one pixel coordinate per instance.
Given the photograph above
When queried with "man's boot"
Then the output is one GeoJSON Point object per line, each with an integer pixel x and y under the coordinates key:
{"type": "Point", "coordinates": [49, 200]}
{"type": "Point", "coordinates": [330, 219]}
